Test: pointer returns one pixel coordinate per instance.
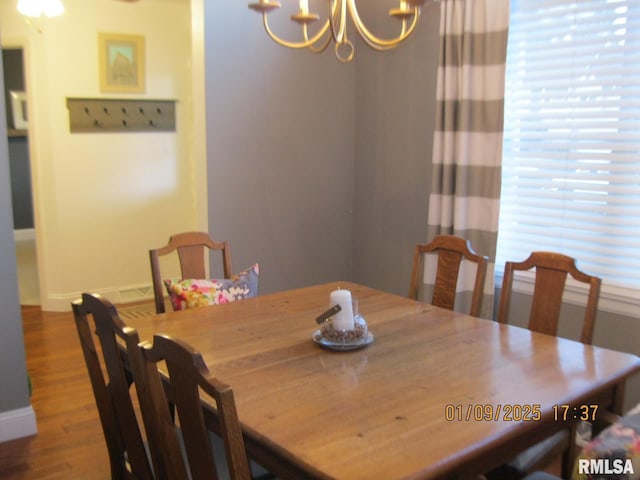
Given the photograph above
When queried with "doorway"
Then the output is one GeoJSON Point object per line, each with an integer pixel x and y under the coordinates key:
{"type": "Point", "coordinates": [20, 171]}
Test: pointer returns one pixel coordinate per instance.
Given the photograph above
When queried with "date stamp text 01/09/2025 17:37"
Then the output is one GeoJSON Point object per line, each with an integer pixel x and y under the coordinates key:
{"type": "Point", "coordinates": [517, 412]}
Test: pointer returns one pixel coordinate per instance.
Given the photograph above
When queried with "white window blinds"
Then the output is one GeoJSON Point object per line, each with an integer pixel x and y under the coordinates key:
{"type": "Point", "coordinates": [571, 159]}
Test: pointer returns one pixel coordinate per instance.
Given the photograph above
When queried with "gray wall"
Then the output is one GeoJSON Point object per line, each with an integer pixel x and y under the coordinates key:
{"type": "Point", "coordinates": [280, 152]}
{"type": "Point", "coordinates": [317, 169]}
{"type": "Point", "coordinates": [394, 137]}
{"type": "Point", "coordinates": [621, 333]}
{"type": "Point", "coordinates": [14, 393]}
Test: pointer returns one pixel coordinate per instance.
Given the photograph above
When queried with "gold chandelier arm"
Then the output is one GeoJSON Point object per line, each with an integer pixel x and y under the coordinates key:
{"type": "Point", "coordinates": [317, 49]}
{"type": "Point", "coordinates": [344, 49]}
{"type": "Point", "coordinates": [379, 43]}
{"type": "Point", "coordinates": [285, 43]}
{"type": "Point", "coordinates": [338, 20]}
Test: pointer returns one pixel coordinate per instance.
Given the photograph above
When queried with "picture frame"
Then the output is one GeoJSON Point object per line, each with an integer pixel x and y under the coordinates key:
{"type": "Point", "coordinates": [121, 62]}
{"type": "Point", "coordinates": [19, 109]}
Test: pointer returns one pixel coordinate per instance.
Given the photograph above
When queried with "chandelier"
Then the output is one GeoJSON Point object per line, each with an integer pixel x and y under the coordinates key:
{"type": "Point", "coordinates": [335, 27]}
{"type": "Point", "coordinates": [37, 8]}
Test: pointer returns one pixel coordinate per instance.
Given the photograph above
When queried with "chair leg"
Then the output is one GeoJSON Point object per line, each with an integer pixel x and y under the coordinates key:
{"type": "Point", "coordinates": [570, 453]}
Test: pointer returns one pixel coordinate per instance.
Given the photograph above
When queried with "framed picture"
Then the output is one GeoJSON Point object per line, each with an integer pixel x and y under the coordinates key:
{"type": "Point", "coordinates": [121, 60]}
{"type": "Point", "coordinates": [19, 109]}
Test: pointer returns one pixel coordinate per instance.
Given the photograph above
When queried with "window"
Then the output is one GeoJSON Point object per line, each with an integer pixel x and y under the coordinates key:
{"type": "Point", "coordinates": [571, 153]}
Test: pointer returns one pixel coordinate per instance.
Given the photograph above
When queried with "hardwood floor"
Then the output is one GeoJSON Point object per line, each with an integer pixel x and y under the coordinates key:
{"type": "Point", "coordinates": [69, 443]}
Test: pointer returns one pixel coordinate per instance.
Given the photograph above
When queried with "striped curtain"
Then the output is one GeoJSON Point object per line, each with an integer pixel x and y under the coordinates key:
{"type": "Point", "coordinates": [467, 146]}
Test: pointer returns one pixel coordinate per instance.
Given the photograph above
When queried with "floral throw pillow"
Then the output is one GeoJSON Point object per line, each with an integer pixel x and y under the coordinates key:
{"type": "Point", "coordinates": [616, 448]}
{"type": "Point", "coordinates": [190, 293]}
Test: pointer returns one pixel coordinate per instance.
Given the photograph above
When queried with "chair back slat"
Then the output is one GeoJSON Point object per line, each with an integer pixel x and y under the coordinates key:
{"type": "Point", "coordinates": [451, 251]}
{"type": "Point", "coordinates": [127, 454]}
{"type": "Point", "coordinates": [547, 300]}
{"type": "Point", "coordinates": [192, 261]}
{"type": "Point", "coordinates": [444, 292]}
{"type": "Point", "coordinates": [189, 378]}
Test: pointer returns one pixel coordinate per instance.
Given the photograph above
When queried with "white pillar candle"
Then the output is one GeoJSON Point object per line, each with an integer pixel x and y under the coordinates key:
{"type": "Point", "coordinates": [343, 320]}
{"type": "Point", "coordinates": [304, 7]}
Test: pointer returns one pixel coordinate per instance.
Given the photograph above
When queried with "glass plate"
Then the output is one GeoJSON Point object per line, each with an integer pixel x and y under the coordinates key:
{"type": "Point", "coordinates": [341, 346]}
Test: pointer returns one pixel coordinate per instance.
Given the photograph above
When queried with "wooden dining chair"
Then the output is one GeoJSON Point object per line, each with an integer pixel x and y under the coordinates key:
{"type": "Point", "coordinates": [127, 455]}
{"type": "Point", "coordinates": [191, 254]}
{"type": "Point", "coordinates": [451, 250]}
{"type": "Point", "coordinates": [188, 376]}
{"type": "Point", "coordinates": [551, 273]}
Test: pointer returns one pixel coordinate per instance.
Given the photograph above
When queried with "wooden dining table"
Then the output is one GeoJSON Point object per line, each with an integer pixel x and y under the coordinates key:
{"type": "Point", "coordinates": [437, 394]}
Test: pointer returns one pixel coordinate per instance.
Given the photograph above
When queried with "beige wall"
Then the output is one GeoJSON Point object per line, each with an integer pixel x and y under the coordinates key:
{"type": "Point", "coordinates": [102, 200]}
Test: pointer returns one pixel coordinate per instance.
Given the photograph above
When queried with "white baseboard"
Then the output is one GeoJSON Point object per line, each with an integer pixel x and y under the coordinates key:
{"type": "Point", "coordinates": [128, 294]}
{"type": "Point", "coordinates": [17, 424]}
